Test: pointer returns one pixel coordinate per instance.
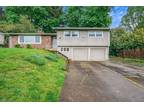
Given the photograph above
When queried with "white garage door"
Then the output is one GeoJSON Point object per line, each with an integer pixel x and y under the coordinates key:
{"type": "Point", "coordinates": [97, 54]}
{"type": "Point", "coordinates": [80, 54]}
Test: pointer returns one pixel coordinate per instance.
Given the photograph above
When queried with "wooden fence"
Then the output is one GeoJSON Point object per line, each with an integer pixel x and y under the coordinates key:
{"type": "Point", "coordinates": [134, 53]}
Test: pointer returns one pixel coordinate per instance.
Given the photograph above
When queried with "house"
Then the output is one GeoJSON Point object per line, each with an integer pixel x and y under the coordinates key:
{"type": "Point", "coordinates": [1, 39]}
{"type": "Point", "coordinates": [83, 43]}
{"type": "Point", "coordinates": [76, 43]}
{"type": "Point", "coordinates": [37, 40]}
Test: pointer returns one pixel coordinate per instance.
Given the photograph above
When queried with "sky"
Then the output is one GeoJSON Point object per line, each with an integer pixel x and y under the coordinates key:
{"type": "Point", "coordinates": [117, 13]}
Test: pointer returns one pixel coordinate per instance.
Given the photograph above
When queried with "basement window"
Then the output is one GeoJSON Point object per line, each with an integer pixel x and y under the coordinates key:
{"type": "Point", "coordinates": [61, 49]}
{"type": "Point", "coordinates": [67, 49]}
{"type": "Point", "coordinates": [64, 49]}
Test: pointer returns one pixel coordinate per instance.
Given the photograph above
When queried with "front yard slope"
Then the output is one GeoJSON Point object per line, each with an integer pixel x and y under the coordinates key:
{"type": "Point", "coordinates": [30, 75]}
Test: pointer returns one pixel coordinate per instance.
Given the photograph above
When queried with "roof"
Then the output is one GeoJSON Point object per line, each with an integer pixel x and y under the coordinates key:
{"type": "Point", "coordinates": [27, 34]}
{"type": "Point", "coordinates": [81, 28]}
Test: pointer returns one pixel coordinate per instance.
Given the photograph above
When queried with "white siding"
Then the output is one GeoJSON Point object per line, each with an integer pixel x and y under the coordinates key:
{"type": "Point", "coordinates": [86, 53]}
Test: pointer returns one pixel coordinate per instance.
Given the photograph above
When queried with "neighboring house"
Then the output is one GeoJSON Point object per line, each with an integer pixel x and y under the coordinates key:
{"type": "Point", "coordinates": [37, 40]}
{"type": "Point", "coordinates": [83, 43]}
{"type": "Point", "coordinates": [1, 39]}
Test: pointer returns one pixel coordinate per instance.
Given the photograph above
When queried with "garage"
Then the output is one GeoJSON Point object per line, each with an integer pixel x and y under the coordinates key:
{"type": "Point", "coordinates": [89, 54]}
{"type": "Point", "coordinates": [80, 54]}
{"type": "Point", "coordinates": [97, 54]}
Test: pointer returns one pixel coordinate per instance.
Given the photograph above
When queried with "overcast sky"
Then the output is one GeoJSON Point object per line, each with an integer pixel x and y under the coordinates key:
{"type": "Point", "coordinates": [117, 13]}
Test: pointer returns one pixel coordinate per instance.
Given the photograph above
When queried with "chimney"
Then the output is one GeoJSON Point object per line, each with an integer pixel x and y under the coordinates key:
{"type": "Point", "coordinates": [62, 24]}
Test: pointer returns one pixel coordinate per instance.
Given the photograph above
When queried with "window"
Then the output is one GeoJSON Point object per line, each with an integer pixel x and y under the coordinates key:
{"type": "Point", "coordinates": [29, 40]}
{"type": "Point", "coordinates": [99, 34]}
{"type": "Point", "coordinates": [71, 33]}
{"type": "Point", "coordinates": [75, 33]}
{"type": "Point", "coordinates": [95, 34]}
{"type": "Point", "coordinates": [61, 49]}
{"type": "Point", "coordinates": [37, 38]}
{"type": "Point", "coordinates": [65, 49]}
{"type": "Point", "coordinates": [91, 34]}
{"type": "Point", "coordinates": [21, 38]}
{"type": "Point", "coordinates": [67, 33]}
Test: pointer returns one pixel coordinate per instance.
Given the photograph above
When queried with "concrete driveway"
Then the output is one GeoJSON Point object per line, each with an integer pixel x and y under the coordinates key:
{"type": "Point", "coordinates": [92, 81]}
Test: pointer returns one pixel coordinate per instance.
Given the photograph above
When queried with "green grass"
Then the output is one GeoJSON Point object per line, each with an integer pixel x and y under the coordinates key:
{"type": "Point", "coordinates": [132, 61]}
{"type": "Point", "coordinates": [27, 75]}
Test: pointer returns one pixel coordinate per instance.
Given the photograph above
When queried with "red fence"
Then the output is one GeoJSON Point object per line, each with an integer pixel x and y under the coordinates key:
{"type": "Point", "coordinates": [135, 53]}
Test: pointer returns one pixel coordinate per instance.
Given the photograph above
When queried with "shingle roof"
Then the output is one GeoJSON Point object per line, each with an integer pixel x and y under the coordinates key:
{"type": "Point", "coordinates": [81, 28]}
{"type": "Point", "coordinates": [32, 34]}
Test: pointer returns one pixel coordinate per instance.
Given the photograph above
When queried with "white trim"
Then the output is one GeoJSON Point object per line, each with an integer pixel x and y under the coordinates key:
{"type": "Point", "coordinates": [89, 52]}
{"type": "Point", "coordinates": [90, 36]}
{"type": "Point", "coordinates": [77, 34]}
{"type": "Point", "coordinates": [10, 42]}
{"type": "Point", "coordinates": [71, 34]}
{"type": "Point", "coordinates": [95, 34]}
{"type": "Point", "coordinates": [72, 52]}
{"type": "Point", "coordinates": [109, 38]}
{"type": "Point", "coordinates": [29, 42]}
{"type": "Point", "coordinates": [65, 33]}
{"type": "Point", "coordinates": [100, 32]}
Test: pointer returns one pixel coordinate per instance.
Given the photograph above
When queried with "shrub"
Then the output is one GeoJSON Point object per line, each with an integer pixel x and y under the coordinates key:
{"type": "Point", "coordinates": [52, 57]}
{"type": "Point", "coordinates": [36, 59]}
{"type": "Point", "coordinates": [29, 46]}
{"type": "Point", "coordinates": [17, 46]}
{"type": "Point", "coordinates": [2, 46]}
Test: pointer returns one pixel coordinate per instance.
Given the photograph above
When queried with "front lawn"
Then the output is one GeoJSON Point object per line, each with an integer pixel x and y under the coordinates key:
{"type": "Point", "coordinates": [131, 61]}
{"type": "Point", "coordinates": [30, 75]}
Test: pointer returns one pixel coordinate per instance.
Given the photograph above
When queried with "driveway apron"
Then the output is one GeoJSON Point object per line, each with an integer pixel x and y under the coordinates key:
{"type": "Point", "coordinates": [91, 81]}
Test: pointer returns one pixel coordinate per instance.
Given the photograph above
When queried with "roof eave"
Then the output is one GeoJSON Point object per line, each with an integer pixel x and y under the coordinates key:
{"type": "Point", "coordinates": [80, 28]}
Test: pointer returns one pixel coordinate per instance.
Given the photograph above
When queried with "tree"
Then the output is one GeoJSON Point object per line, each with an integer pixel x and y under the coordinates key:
{"type": "Point", "coordinates": [24, 25]}
{"type": "Point", "coordinates": [72, 16]}
{"type": "Point", "coordinates": [133, 19]}
{"type": "Point", "coordinates": [138, 38]}
{"type": "Point", "coordinates": [116, 45]}
{"type": "Point", "coordinates": [43, 18]}
{"type": "Point", "coordinates": [122, 40]}
{"type": "Point", "coordinates": [87, 17]}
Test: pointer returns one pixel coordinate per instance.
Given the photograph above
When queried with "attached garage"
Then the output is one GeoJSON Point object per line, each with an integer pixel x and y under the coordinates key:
{"type": "Point", "coordinates": [80, 54]}
{"type": "Point", "coordinates": [97, 54]}
{"type": "Point", "coordinates": [90, 54]}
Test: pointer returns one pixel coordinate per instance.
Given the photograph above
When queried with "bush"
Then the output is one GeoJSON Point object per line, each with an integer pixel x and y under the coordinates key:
{"type": "Point", "coordinates": [52, 57]}
{"type": "Point", "coordinates": [17, 46]}
{"type": "Point", "coordinates": [29, 46]}
{"type": "Point", "coordinates": [2, 46]}
{"type": "Point", "coordinates": [36, 59]}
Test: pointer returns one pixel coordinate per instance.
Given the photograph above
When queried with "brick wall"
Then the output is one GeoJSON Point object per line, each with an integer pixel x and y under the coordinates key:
{"type": "Point", "coordinates": [46, 42]}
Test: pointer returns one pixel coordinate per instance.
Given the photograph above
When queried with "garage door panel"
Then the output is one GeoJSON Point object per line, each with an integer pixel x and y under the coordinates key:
{"type": "Point", "coordinates": [80, 54]}
{"type": "Point", "coordinates": [97, 54]}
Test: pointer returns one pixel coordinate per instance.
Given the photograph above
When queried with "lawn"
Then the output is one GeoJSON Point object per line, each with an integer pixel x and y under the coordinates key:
{"type": "Point", "coordinates": [30, 75]}
{"type": "Point", "coordinates": [132, 61]}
